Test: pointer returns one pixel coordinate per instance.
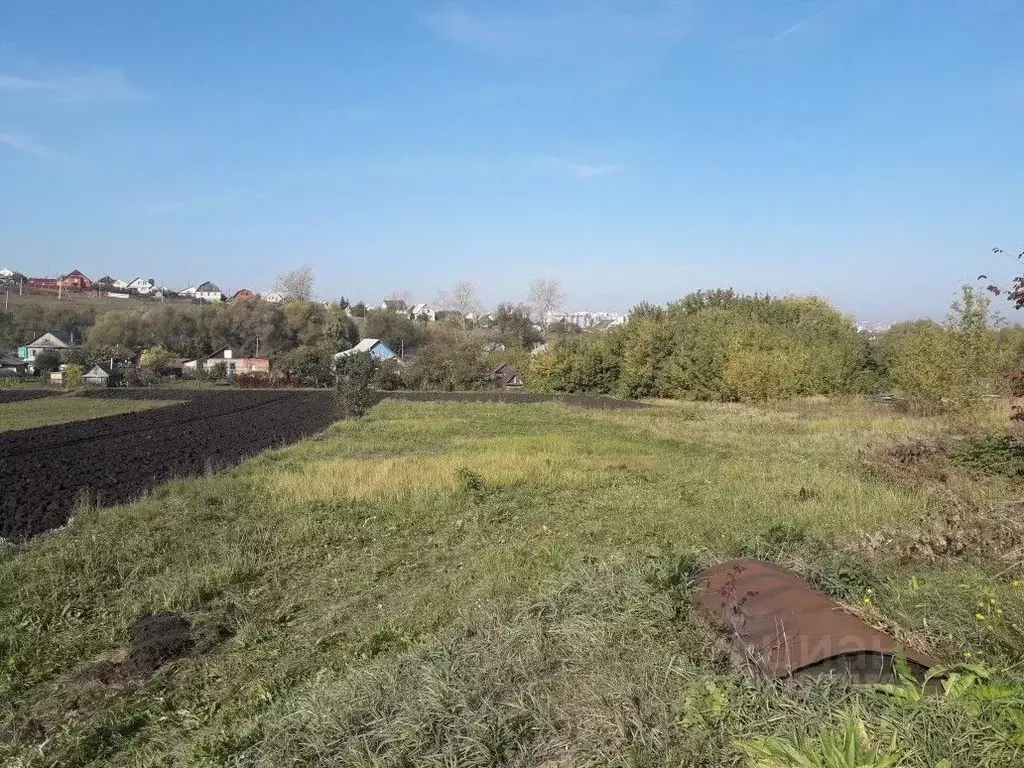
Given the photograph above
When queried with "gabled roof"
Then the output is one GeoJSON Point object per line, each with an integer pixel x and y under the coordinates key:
{"type": "Point", "coordinates": [374, 346]}
{"type": "Point", "coordinates": [107, 279]}
{"type": "Point", "coordinates": [243, 293]}
{"type": "Point", "coordinates": [74, 273]}
{"type": "Point", "coordinates": [365, 345]}
{"type": "Point", "coordinates": [97, 372]}
{"type": "Point", "coordinates": [207, 287]}
{"type": "Point", "coordinates": [61, 336]}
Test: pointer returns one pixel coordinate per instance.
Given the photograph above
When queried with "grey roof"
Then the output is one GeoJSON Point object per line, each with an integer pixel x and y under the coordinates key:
{"type": "Point", "coordinates": [208, 287]}
{"type": "Point", "coordinates": [61, 336]}
{"type": "Point", "coordinates": [97, 372]}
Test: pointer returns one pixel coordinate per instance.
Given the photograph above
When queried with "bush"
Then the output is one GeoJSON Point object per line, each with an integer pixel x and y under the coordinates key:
{"type": "Point", "coordinates": [948, 367]}
{"type": "Point", "coordinates": [47, 362]}
{"type": "Point", "coordinates": [254, 381]}
{"type": "Point", "coordinates": [74, 376]}
{"type": "Point", "coordinates": [356, 374]}
{"type": "Point", "coordinates": [715, 346]}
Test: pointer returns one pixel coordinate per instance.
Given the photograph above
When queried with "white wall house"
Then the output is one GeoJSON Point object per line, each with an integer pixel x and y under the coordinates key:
{"type": "Point", "coordinates": [423, 312]}
{"type": "Point", "coordinates": [141, 286]}
{"type": "Point", "coordinates": [274, 297]}
{"type": "Point", "coordinates": [209, 292]}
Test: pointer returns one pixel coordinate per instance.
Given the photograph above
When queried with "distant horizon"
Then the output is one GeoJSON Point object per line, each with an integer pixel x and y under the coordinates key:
{"type": "Point", "coordinates": [229, 289]}
{"type": "Point", "coordinates": [633, 149]}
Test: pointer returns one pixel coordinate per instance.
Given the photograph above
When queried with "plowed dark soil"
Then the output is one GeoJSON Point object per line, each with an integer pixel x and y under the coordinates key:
{"type": "Point", "coordinates": [18, 395]}
{"type": "Point", "coordinates": [44, 472]}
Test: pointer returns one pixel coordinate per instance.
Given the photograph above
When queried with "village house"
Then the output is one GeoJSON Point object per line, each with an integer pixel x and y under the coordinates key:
{"type": "Point", "coordinates": [423, 313]}
{"type": "Point", "coordinates": [12, 364]}
{"type": "Point", "coordinates": [375, 347]}
{"type": "Point", "coordinates": [243, 293]}
{"type": "Point", "coordinates": [506, 377]}
{"type": "Point", "coordinates": [11, 279]}
{"type": "Point", "coordinates": [76, 281]}
{"type": "Point", "coordinates": [141, 286]}
{"type": "Point", "coordinates": [274, 297]}
{"type": "Point", "coordinates": [232, 365]}
{"type": "Point", "coordinates": [209, 292]}
{"type": "Point", "coordinates": [56, 341]}
{"type": "Point", "coordinates": [43, 283]}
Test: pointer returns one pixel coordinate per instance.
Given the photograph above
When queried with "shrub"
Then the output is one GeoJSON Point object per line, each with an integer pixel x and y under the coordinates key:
{"type": "Point", "coordinates": [74, 376]}
{"type": "Point", "coordinates": [355, 395]}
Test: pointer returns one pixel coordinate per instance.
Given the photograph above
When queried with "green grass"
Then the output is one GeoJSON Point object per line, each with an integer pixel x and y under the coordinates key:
{"type": "Point", "coordinates": [463, 584]}
{"type": "Point", "coordinates": [47, 411]}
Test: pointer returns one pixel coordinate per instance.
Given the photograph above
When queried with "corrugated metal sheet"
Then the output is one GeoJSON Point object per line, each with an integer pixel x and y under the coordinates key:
{"type": "Point", "coordinates": [776, 620]}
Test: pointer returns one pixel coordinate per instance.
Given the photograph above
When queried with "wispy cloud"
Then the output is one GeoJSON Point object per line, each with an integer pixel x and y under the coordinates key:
{"type": "Point", "coordinates": [805, 23]}
{"type": "Point", "coordinates": [95, 86]}
{"type": "Point", "coordinates": [623, 34]}
{"type": "Point", "coordinates": [27, 144]}
{"type": "Point", "coordinates": [583, 170]}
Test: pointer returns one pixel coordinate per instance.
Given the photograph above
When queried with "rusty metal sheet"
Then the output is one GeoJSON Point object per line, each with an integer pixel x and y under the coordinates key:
{"type": "Point", "coordinates": [778, 621]}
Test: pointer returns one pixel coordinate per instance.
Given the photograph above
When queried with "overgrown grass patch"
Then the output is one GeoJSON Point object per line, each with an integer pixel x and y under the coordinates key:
{"type": "Point", "coordinates": [50, 411]}
{"type": "Point", "coordinates": [468, 584]}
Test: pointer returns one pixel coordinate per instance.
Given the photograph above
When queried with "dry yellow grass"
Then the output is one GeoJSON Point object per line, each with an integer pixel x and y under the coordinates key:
{"type": "Point", "coordinates": [552, 461]}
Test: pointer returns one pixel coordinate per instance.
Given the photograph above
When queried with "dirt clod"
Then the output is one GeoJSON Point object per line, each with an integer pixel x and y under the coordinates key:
{"type": "Point", "coordinates": [156, 640]}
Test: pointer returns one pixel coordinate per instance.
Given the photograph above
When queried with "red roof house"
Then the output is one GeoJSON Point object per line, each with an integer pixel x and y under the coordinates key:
{"type": "Point", "coordinates": [76, 281]}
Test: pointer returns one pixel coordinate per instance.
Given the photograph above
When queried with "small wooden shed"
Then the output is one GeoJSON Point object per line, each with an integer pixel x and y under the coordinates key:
{"type": "Point", "coordinates": [97, 376]}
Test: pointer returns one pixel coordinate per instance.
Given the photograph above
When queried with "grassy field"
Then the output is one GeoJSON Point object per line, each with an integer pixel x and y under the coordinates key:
{"type": "Point", "coordinates": [88, 301]}
{"type": "Point", "coordinates": [47, 411]}
{"type": "Point", "coordinates": [485, 585]}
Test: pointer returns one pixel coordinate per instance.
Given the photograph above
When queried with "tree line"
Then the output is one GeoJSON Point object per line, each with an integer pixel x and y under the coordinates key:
{"type": "Point", "coordinates": [723, 346]}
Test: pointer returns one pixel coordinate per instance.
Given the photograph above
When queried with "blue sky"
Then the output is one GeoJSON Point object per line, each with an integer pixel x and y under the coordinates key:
{"type": "Point", "coordinates": [866, 150]}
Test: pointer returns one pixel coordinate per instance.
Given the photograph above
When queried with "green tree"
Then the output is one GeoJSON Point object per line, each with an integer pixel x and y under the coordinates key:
{"type": "Point", "coordinates": [74, 376]}
{"type": "Point", "coordinates": [46, 362]}
{"type": "Point", "coordinates": [397, 331]}
{"type": "Point", "coordinates": [449, 365]}
{"type": "Point", "coordinates": [157, 360]}
{"type": "Point", "coordinates": [355, 394]}
{"type": "Point", "coordinates": [308, 365]}
{"type": "Point", "coordinates": [513, 326]}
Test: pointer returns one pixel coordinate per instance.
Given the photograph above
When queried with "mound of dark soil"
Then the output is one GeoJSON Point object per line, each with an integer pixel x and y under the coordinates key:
{"type": "Point", "coordinates": [156, 640]}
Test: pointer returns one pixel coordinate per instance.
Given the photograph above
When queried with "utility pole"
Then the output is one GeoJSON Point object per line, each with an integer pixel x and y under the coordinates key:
{"type": "Point", "coordinates": [257, 346]}
{"type": "Point", "coordinates": [7, 298]}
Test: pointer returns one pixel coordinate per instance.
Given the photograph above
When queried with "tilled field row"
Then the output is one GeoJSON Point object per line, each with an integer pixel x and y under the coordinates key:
{"type": "Point", "coordinates": [20, 395]}
{"type": "Point", "coordinates": [44, 472]}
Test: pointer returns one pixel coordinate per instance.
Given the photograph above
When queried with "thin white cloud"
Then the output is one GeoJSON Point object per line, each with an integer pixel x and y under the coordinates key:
{"type": "Point", "coordinates": [804, 23]}
{"type": "Point", "coordinates": [26, 144]}
{"type": "Point", "coordinates": [583, 170]}
{"type": "Point", "coordinates": [93, 87]}
{"type": "Point", "coordinates": [625, 33]}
